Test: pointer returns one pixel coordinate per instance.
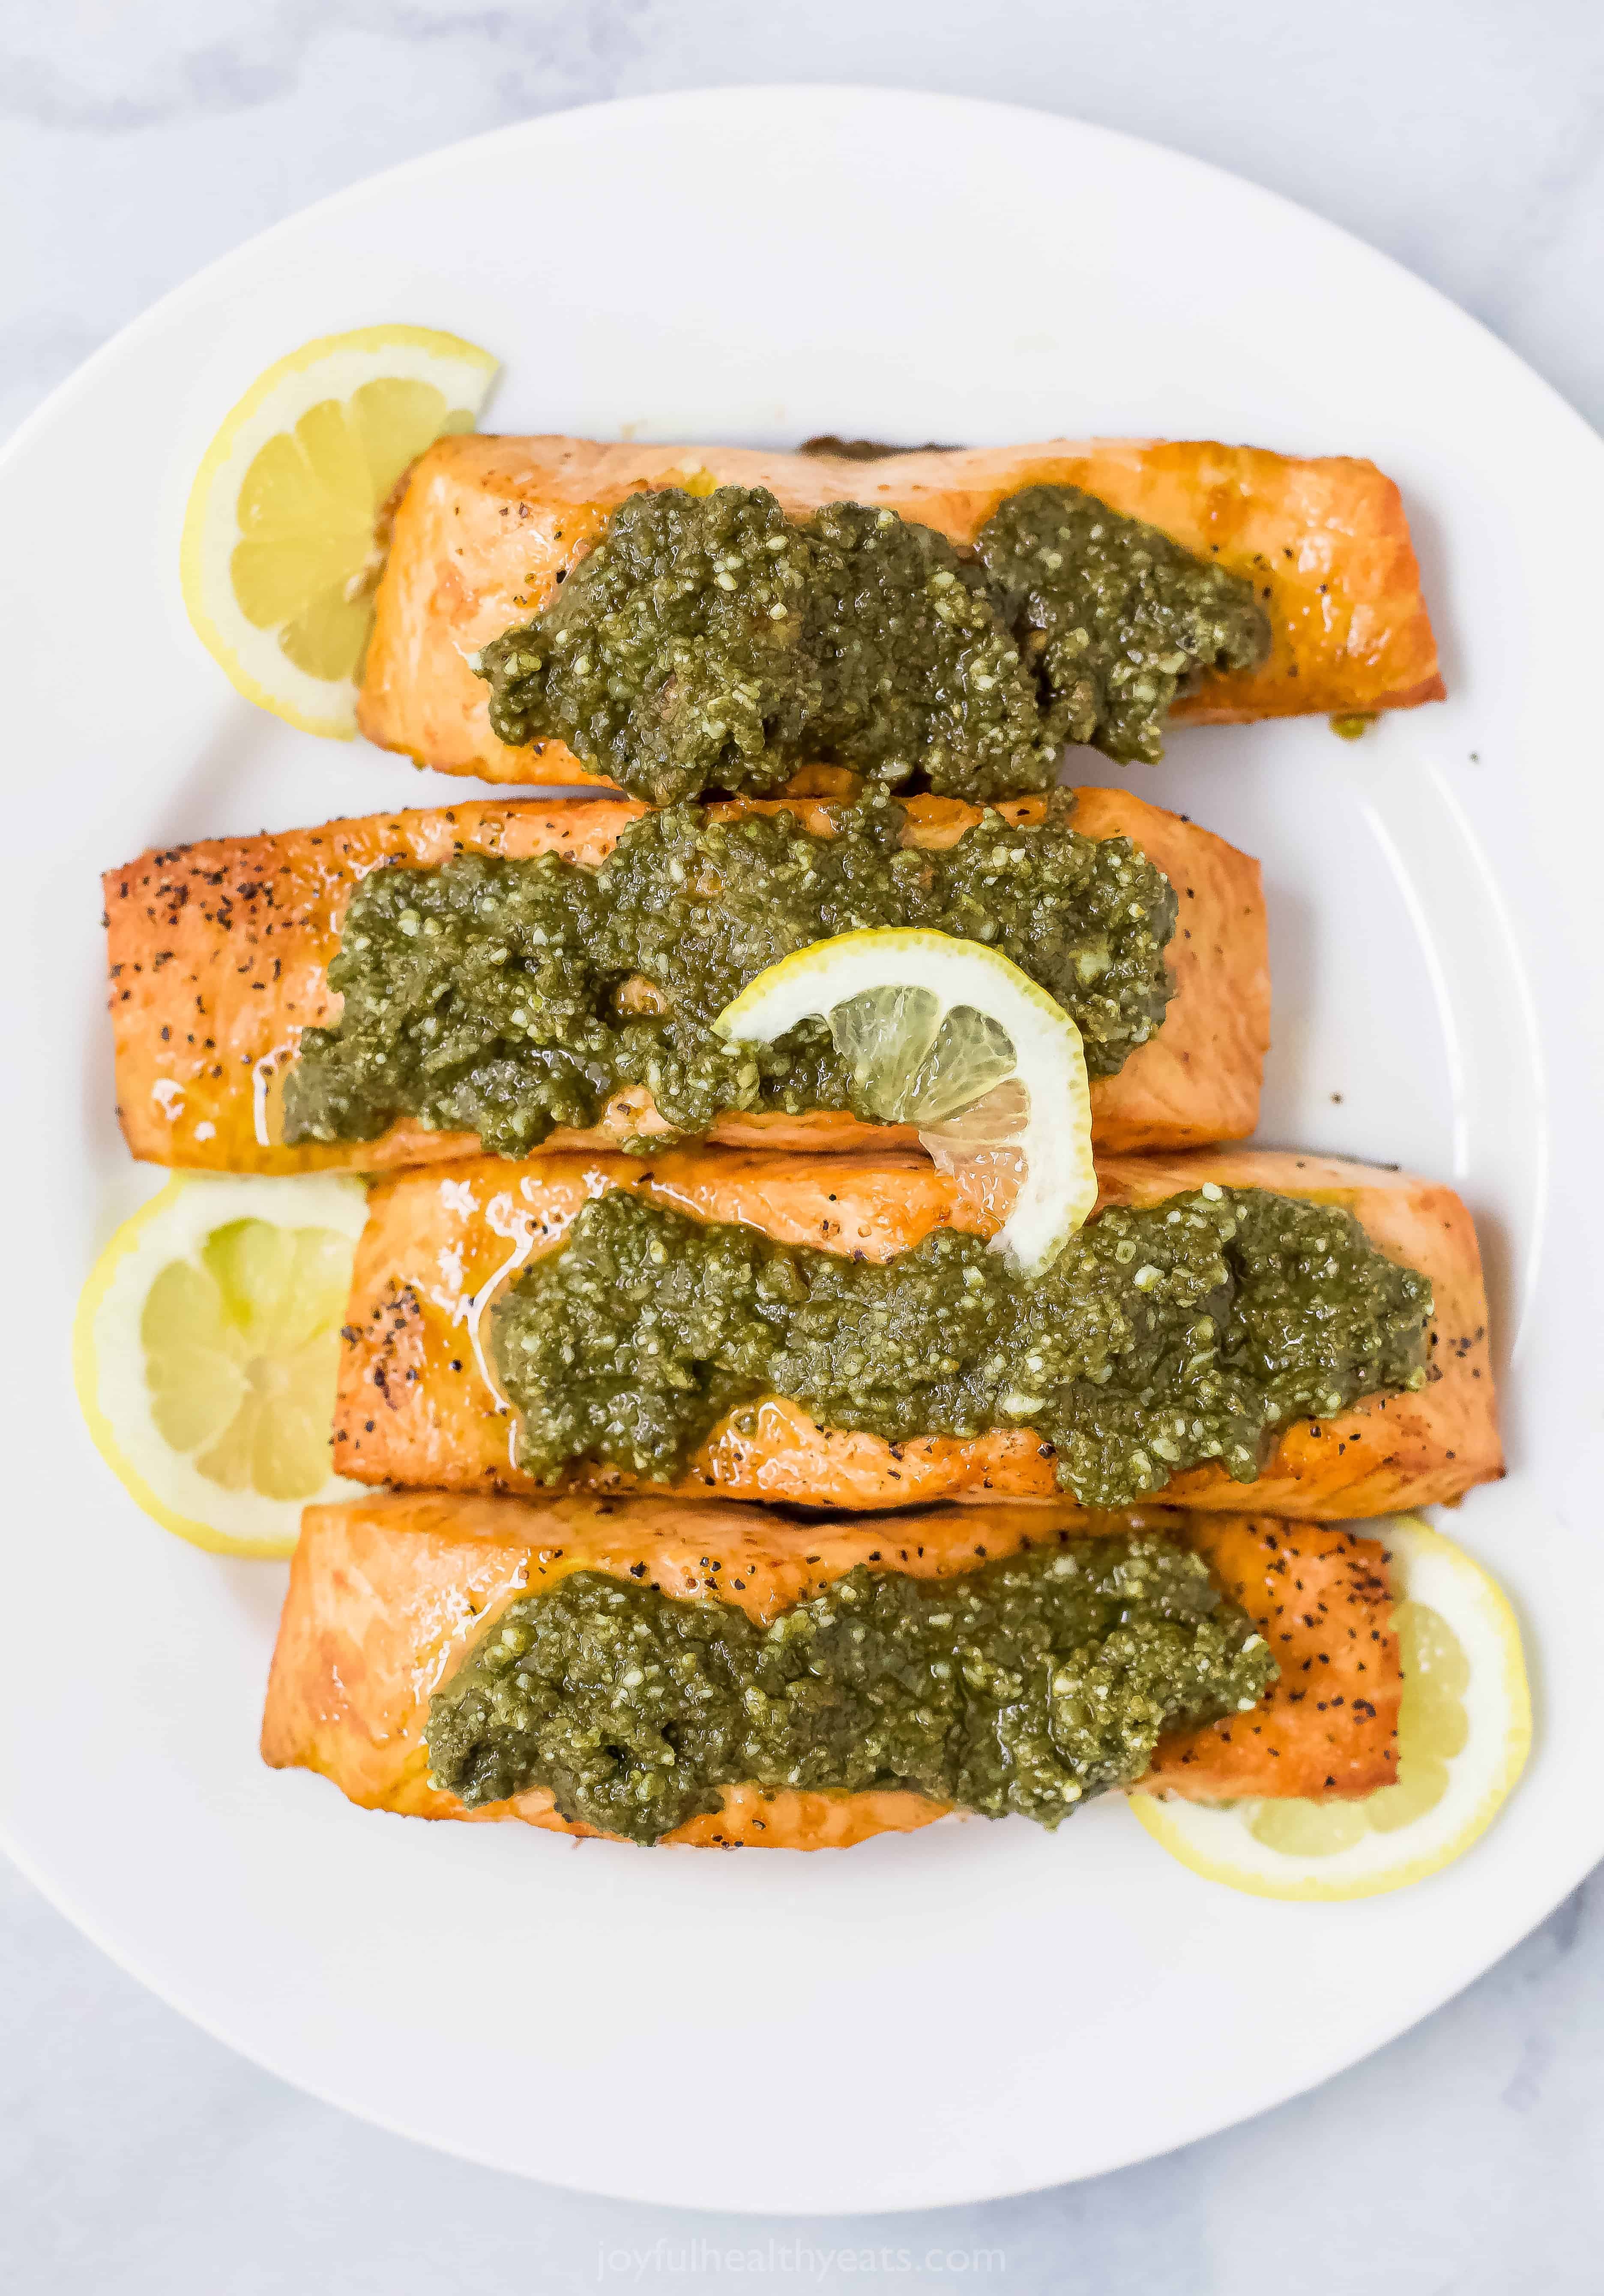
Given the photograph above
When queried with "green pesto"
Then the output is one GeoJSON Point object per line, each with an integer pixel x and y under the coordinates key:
{"type": "Point", "coordinates": [1193, 1330]}
{"type": "Point", "coordinates": [1025, 1686]}
{"type": "Point", "coordinates": [712, 643]}
{"type": "Point", "coordinates": [1116, 618]}
{"type": "Point", "coordinates": [482, 995]}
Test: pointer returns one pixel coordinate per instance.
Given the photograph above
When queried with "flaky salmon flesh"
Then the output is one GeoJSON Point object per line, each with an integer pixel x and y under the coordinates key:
{"type": "Point", "coordinates": [219, 953]}
{"type": "Point", "coordinates": [487, 527]}
{"type": "Point", "coordinates": [417, 1408]}
{"type": "Point", "coordinates": [387, 1594]}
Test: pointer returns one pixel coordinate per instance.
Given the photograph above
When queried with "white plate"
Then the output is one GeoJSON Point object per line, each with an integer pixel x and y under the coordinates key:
{"type": "Point", "coordinates": [972, 2010]}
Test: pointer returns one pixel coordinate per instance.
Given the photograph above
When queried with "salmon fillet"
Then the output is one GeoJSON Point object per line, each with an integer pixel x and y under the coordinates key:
{"type": "Point", "coordinates": [486, 525]}
{"type": "Point", "coordinates": [416, 1407]}
{"type": "Point", "coordinates": [219, 953]}
{"type": "Point", "coordinates": [385, 1596]}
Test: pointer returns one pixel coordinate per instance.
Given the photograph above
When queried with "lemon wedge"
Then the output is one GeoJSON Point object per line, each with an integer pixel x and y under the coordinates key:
{"type": "Point", "coordinates": [1463, 1737]}
{"type": "Point", "coordinates": [205, 1352]}
{"type": "Point", "coordinates": [952, 1037]}
{"type": "Point", "coordinates": [287, 524]}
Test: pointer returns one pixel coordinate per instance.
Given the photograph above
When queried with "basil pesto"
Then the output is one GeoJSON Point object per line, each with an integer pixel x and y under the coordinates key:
{"type": "Point", "coordinates": [487, 996]}
{"type": "Point", "coordinates": [710, 642]}
{"type": "Point", "coordinates": [1027, 1686]}
{"type": "Point", "coordinates": [1160, 1339]}
{"type": "Point", "coordinates": [1114, 616]}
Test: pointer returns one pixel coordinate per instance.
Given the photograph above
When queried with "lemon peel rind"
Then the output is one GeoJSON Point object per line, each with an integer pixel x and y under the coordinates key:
{"type": "Point", "coordinates": [180, 1217]}
{"type": "Point", "coordinates": [315, 705]}
{"type": "Point", "coordinates": [1214, 1843]}
{"type": "Point", "coordinates": [1059, 1192]}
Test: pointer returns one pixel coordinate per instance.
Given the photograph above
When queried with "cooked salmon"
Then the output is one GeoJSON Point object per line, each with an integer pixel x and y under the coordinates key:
{"type": "Point", "coordinates": [220, 953]}
{"type": "Point", "coordinates": [386, 1595]}
{"type": "Point", "coordinates": [487, 527]}
{"type": "Point", "coordinates": [417, 1408]}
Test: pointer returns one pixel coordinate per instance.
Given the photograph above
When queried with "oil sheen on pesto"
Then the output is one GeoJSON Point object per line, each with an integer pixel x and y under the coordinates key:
{"type": "Point", "coordinates": [484, 995]}
{"type": "Point", "coordinates": [1193, 1330]}
{"type": "Point", "coordinates": [712, 643]}
{"type": "Point", "coordinates": [1026, 1685]}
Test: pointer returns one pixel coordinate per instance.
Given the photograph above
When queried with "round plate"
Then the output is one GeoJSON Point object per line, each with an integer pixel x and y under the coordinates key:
{"type": "Point", "coordinates": [975, 2009]}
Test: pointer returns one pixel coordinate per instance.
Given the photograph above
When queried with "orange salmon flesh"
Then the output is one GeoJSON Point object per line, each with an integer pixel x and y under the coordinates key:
{"type": "Point", "coordinates": [219, 953]}
{"type": "Point", "coordinates": [415, 1407]}
{"type": "Point", "coordinates": [486, 528]}
{"type": "Point", "coordinates": [386, 1595]}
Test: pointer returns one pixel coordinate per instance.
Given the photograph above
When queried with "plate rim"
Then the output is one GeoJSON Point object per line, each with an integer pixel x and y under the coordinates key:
{"type": "Point", "coordinates": [774, 91]}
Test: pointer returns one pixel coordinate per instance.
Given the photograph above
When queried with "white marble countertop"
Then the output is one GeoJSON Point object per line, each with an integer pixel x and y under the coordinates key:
{"type": "Point", "coordinates": [1461, 135]}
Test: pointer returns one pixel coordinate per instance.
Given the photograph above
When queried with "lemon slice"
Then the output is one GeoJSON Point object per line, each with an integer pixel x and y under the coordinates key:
{"type": "Point", "coordinates": [952, 1037]}
{"type": "Point", "coordinates": [1463, 1736]}
{"type": "Point", "coordinates": [205, 1353]}
{"type": "Point", "coordinates": [288, 518]}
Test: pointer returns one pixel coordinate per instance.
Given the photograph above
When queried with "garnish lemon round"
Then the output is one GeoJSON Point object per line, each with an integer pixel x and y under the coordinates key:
{"type": "Point", "coordinates": [952, 1037]}
{"type": "Point", "coordinates": [288, 518]}
{"type": "Point", "coordinates": [1463, 1736]}
{"type": "Point", "coordinates": [205, 1352]}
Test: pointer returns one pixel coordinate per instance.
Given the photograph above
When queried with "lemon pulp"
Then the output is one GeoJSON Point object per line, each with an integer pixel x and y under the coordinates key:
{"type": "Point", "coordinates": [206, 1353]}
{"type": "Point", "coordinates": [288, 521]}
{"type": "Point", "coordinates": [950, 1036]}
{"type": "Point", "coordinates": [914, 1062]}
{"type": "Point", "coordinates": [241, 1350]}
{"type": "Point", "coordinates": [310, 513]}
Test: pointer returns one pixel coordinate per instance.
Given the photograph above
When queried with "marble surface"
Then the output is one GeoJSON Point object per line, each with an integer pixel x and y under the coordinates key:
{"type": "Point", "coordinates": [1463, 136]}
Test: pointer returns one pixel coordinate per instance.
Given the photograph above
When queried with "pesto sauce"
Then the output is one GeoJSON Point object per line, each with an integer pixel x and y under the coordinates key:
{"type": "Point", "coordinates": [1193, 1330]}
{"type": "Point", "coordinates": [1025, 1686]}
{"type": "Point", "coordinates": [1115, 616]}
{"type": "Point", "coordinates": [712, 642]}
{"type": "Point", "coordinates": [482, 995]}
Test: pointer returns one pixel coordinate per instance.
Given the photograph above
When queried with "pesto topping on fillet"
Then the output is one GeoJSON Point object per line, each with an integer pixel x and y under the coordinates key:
{"type": "Point", "coordinates": [484, 995]}
{"type": "Point", "coordinates": [1027, 1686]}
{"type": "Point", "coordinates": [712, 643]}
{"type": "Point", "coordinates": [1193, 1330]}
{"type": "Point", "coordinates": [1114, 616]}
